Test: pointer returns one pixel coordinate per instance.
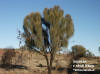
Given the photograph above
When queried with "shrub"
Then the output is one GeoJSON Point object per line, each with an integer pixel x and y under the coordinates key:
{"type": "Point", "coordinates": [7, 56]}
{"type": "Point", "coordinates": [78, 51]}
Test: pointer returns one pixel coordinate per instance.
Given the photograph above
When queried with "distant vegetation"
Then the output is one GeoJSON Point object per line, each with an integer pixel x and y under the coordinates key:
{"type": "Point", "coordinates": [79, 51]}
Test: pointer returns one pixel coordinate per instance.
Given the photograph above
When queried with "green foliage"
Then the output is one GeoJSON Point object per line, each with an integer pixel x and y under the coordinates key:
{"type": "Point", "coordinates": [33, 30]}
{"type": "Point", "coordinates": [59, 29]}
{"type": "Point", "coordinates": [78, 51]}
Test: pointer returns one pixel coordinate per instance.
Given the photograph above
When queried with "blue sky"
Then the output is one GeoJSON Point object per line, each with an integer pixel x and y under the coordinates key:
{"type": "Point", "coordinates": [85, 14]}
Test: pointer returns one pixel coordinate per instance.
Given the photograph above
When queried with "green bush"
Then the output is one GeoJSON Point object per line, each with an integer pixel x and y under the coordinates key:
{"type": "Point", "coordinates": [78, 51]}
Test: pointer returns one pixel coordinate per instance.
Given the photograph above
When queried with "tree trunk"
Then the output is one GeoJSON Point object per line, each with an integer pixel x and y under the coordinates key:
{"type": "Point", "coordinates": [49, 70]}
{"type": "Point", "coordinates": [48, 64]}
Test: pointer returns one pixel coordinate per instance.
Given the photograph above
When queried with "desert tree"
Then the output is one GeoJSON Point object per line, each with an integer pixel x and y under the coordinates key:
{"type": "Point", "coordinates": [48, 33]}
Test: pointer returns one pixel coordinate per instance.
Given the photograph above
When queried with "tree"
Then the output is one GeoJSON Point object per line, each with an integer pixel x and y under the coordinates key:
{"type": "Point", "coordinates": [89, 54]}
{"type": "Point", "coordinates": [48, 33]}
{"type": "Point", "coordinates": [99, 49]}
{"type": "Point", "coordinates": [78, 51]}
